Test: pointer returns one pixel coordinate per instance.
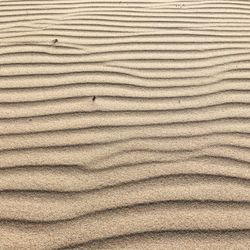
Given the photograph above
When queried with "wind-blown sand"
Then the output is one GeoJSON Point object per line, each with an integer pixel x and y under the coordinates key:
{"type": "Point", "coordinates": [124, 124]}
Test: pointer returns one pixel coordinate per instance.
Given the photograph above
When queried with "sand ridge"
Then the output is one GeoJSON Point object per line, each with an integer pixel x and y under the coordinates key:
{"type": "Point", "coordinates": [124, 124]}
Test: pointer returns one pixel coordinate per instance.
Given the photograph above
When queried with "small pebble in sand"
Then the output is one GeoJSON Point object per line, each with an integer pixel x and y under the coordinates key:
{"type": "Point", "coordinates": [93, 98]}
{"type": "Point", "coordinates": [55, 41]}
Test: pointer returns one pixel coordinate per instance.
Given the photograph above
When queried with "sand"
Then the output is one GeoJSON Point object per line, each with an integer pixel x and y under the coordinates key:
{"type": "Point", "coordinates": [124, 124]}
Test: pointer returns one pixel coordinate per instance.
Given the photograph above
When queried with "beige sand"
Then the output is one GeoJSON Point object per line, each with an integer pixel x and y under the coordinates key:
{"type": "Point", "coordinates": [124, 124]}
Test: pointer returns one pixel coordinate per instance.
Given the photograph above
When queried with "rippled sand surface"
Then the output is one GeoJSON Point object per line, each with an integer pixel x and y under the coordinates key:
{"type": "Point", "coordinates": [124, 124]}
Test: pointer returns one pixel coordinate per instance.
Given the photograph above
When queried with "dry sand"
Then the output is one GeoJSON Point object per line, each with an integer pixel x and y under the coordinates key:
{"type": "Point", "coordinates": [124, 124]}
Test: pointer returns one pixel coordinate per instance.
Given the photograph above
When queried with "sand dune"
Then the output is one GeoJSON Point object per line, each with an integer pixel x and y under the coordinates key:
{"type": "Point", "coordinates": [124, 124]}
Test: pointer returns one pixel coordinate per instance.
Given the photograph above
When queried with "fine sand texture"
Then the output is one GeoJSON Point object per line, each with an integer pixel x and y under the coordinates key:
{"type": "Point", "coordinates": [124, 124]}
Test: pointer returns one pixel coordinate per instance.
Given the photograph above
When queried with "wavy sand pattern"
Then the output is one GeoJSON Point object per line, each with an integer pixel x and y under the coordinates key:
{"type": "Point", "coordinates": [124, 124]}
